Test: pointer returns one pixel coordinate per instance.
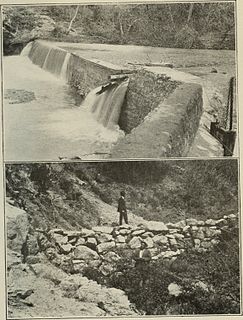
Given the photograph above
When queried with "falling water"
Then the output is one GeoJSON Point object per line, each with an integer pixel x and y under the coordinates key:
{"type": "Point", "coordinates": [26, 50]}
{"type": "Point", "coordinates": [106, 106]}
{"type": "Point", "coordinates": [63, 73]}
{"type": "Point", "coordinates": [48, 57]}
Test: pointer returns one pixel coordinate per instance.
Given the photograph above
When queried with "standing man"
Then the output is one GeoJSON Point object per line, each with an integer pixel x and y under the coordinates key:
{"type": "Point", "coordinates": [122, 209]}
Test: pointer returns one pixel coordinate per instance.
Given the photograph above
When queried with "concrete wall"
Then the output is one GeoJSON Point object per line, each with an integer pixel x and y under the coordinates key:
{"type": "Point", "coordinates": [168, 130]}
{"type": "Point", "coordinates": [160, 113]}
{"type": "Point", "coordinates": [146, 90]}
{"type": "Point", "coordinates": [85, 75]}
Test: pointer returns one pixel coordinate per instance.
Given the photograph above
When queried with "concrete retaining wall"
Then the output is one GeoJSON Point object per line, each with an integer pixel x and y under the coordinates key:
{"type": "Point", "coordinates": [146, 91]}
{"type": "Point", "coordinates": [85, 75]}
{"type": "Point", "coordinates": [167, 131]}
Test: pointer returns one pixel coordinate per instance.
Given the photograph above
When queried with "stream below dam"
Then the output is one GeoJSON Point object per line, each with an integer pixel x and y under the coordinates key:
{"type": "Point", "coordinates": [50, 126]}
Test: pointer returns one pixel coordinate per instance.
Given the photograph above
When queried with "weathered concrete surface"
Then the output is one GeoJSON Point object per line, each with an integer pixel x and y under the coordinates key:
{"type": "Point", "coordinates": [87, 74]}
{"type": "Point", "coordinates": [168, 130]}
{"type": "Point", "coordinates": [145, 91]}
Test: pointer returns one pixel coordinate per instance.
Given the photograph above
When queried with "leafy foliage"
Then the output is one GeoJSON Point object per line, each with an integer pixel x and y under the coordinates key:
{"type": "Point", "coordinates": [183, 25]}
{"type": "Point", "coordinates": [209, 283]}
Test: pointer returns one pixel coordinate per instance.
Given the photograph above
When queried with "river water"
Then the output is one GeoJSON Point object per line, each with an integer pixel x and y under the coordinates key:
{"type": "Point", "coordinates": [51, 126]}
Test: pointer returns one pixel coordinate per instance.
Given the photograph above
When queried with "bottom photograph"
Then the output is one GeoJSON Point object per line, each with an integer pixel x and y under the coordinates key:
{"type": "Point", "coordinates": [127, 238]}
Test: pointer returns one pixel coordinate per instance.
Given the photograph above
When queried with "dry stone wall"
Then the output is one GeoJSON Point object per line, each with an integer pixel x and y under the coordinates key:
{"type": "Point", "coordinates": [102, 247]}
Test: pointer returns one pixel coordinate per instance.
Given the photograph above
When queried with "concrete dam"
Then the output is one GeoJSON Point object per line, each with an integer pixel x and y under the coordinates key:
{"type": "Point", "coordinates": [147, 112]}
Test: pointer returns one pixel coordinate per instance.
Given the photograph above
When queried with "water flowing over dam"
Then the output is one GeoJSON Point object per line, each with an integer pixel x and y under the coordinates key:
{"type": "Point", "coordinates": [105, 105]}
{"type": "Point", "coordinates": [117, 111]}
{"type": "Point", "coordinates": [51, 126]}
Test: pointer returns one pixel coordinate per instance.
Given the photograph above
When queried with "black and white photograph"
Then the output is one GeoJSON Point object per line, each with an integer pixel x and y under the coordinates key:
{"type": "Point", "coordinates": [120, 160]}
{"type": "Point", "coordinates": [119, 81]}
{"type": "Point", "coordinates": [125, 238]}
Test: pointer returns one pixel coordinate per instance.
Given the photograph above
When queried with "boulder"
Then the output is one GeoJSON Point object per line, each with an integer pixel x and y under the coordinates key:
{"type": "Point", "coordinates": [59, 239]}
{"type": "Point", "coordinates": [17, 227]}
{"type": "Point", "coordinates": [124, 232]}
{"type": "Point", "coordinates": [138, 232]}
{"type": "Point", "coordinates": [121, 239]}
{"type": "Point", "coordinates": [178, 236]}
{"type": "Point", "coordinates": [58, 231]}
{"type": "Point", "coordinates": [111, 257]}
{"type": "Point", "coordinates": [220, 222]}
{"type": "Point", "coordinates": [103, 237]}
{"type": "Point", "coordinates": [81, 241]}
{"type": "Point", "coordinates": [192, 222]}
{"type": "Point", "coordinates": [171, 225]}
{"type": "Point", "coordinates": [210, 222]}
{"type": "Point", "coordinates": [91, 242]}
{"type": "Point", "coordinates": [173, 242]}
{"type": "Point", "coordinates": [232, 216]}
{"type": "Point", "coordinates": [201, 223]}
{"type": "Point", "coordinates": [149, 242]}
{"type": "Point", "coordinates": [85, 253]}
{"type": "Point", "coordinates": [124, 226]}
{"type": "Point", "coordinates": [172, 231]}
{"type": "Point", "coordinates": [135, 243]}
{"type": "Point", "coordinates": [106, 246]}
{"type": "Point", "coordinates": [210, 233]}
{"type": "Point", "coordinates": [160, 239]}
{"type": "Point", "coordinates": [87, 233]}
{"type": "Point", "coordinates": [65, 248]}
{"type": "Point", "coordinates": [200, 233]}
{"type": "Point", "coordinates": [180, 224]}
{"type": "Point", "coordinates": [103, 229]}
{"type": "Point", "coordinates": [73, 234]}
{"type": "Point", "coordinates": [147, 234]}
{"type": "Point", "coordinates": [156, 226]}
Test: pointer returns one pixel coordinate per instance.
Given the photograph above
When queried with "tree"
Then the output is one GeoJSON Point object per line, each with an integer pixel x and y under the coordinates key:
{"type": "Point", "coordinates": [72, 20]}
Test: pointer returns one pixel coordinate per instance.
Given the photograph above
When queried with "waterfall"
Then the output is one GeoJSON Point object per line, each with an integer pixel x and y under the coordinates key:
{"type": "Point", "coordinates": [106, 106]}
{"type": "Point", "coordinates": [48, 57]}
{"type": "Point", "coordinates": [26, 50]}
{"type": "Point", "coordinates": [104, 102]}
{"type": "Point", "coordinates": [63, 73]}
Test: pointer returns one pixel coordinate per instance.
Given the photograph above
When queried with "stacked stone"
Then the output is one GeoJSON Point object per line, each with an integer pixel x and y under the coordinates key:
{"type": "Point", "coordinates": [102, 247]}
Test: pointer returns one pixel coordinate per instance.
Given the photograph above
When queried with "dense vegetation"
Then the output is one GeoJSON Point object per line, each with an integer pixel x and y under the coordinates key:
{"type": "Point", "coordinates": [56, 195]}
{"type": "Point", "coordinates": [168, 190]}
{"type": "Point", "coordinates": [205, 283]}
{"type": "Point", "coordinates": [179, 25]}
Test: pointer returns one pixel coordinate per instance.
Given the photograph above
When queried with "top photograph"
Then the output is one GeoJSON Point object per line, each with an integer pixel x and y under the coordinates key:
{"type": "Point", "coordinates": [119, 81]}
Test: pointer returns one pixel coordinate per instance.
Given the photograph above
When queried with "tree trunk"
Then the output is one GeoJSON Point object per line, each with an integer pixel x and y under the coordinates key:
{"type": "Point", "coordinates": [190, 13]}
{"type": "Point", "coordinates": [73, 18]}
{"type": "Point", "coordinates": [171, 18]}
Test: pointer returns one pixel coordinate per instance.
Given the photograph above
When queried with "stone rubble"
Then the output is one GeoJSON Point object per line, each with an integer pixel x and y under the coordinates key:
{"type": "Point", "coordinates": [166, 241]}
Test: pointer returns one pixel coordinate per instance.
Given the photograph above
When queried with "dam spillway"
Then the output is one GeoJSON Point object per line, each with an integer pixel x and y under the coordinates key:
{"type": "Point", "coordinates": [105, 106]}
{"type": "Point", "coordinates": [50, 126]}
{"type": "Point", "coordinates": [96, 118]}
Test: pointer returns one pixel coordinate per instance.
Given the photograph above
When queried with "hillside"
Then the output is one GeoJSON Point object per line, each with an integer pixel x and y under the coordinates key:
{"type": "Point", "coordinates": [63, 238]}
{"type": "Point", "coordinates": [73, 195]}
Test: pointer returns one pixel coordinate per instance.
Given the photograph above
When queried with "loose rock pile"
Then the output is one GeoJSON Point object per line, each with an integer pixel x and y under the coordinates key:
{"type": "Point", "coordinates": [103, 246]}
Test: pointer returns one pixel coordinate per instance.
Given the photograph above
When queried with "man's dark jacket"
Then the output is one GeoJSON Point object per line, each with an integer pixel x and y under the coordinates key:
{"type": "Point", "coordinates": [121, 205]}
